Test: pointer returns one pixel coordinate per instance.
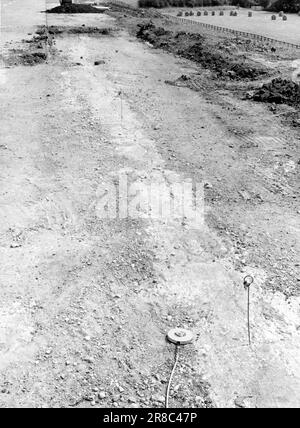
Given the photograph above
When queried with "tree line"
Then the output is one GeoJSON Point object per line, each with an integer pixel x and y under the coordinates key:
{"type": "Point", "coordinates": [292, 6]}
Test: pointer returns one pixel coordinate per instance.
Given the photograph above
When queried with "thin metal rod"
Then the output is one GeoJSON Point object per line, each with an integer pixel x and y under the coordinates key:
{"type": "Point", "coordinates": [249, 328]}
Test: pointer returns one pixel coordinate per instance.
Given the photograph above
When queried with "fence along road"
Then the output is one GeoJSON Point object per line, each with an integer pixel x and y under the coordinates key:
{"type": "Point", "coordinates": [191, 22]}
{"type": "Point", "coordinates": [255, 36]}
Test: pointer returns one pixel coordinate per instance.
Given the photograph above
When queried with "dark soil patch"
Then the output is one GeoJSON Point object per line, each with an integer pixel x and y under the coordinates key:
{"type": "Point", "coordinates": [75, 8]}
{"type": "Point", "coordinates": [21, 57]}
{"type": "Point", "coordinates": [33, 52]}
{"type": "Point", "coordinates": [56, 30]}
{"type": "Point", "coordinates": [33, 58]}
{"type": "Point", "coordinates": [197, 48]}
{"type": "Point", "coordinates": [279, 91]}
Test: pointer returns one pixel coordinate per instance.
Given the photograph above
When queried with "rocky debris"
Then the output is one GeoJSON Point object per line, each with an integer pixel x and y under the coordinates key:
{"type": "Point", "coordinates": [224, 65]}
{"type": "Point", "coordinates": [152, 34]}
{"type": "Point", "coordinates": [76, 8]}
{"type": "Point", "coordinates": [56, 30]}
{"type": "Point", "coordinates": [33, 58]}
{"type": "Point", "coordinates": [23, 57]}
{"type": "Point", "coordinates": [279, 91]}
{"type": "Point", "coordinates": [31, 51]}
{"type": "Point", "coordinates": [239, 403]}
{"type": "Point", "coordinates": [197, 48]}
{"type": "Point", "coordinates": [100, 62]}
{"type": "Point", "coordinates": [180, 81]}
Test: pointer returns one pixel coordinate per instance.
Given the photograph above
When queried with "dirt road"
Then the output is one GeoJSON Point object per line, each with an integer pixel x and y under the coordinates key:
{"type": "Point", "coordinates": [85, 301]}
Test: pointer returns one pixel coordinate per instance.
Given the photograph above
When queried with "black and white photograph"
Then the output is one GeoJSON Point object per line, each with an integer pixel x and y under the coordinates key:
{"type": "Point", "coordinates": [149, 207]}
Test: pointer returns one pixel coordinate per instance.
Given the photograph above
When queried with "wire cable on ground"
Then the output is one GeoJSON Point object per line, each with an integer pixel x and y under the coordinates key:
{"type": "Point", "coordinates": [172, 375]}
{"type": "Point", "coordinates": [248, 280]}
{"type": "Point", "coordinates": [248, 318]}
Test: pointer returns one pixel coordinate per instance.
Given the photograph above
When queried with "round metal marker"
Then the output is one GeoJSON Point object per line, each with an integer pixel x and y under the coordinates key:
{"type": "Point", "coordinates": [180, 336]}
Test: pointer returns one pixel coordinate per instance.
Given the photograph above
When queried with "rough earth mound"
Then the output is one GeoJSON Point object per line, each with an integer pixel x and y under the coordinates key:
{"type": "Point", "coordinates": [279, 91]}
{"type": "Point", "coordinates": [75, 8]}
{"type": "Point", "coordinates": [197, 48]}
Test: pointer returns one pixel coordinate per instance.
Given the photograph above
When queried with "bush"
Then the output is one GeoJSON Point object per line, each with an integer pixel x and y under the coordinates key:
{"type": "Point", "coordinates": [243, 3]}
{"type": "Point", "coordinates": [286, 6]}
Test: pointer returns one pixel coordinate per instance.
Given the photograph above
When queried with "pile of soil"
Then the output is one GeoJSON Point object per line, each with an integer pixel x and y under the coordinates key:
{"type": "Point", "coordinates": [197, 48]}
{"type": "Point", "coordinates": [17, 57]}
{"type": "Point", "coordinates": [75, 8]}
{"type": "Point", "coordinates": [56, 30]}
{"type": "Point", "coordinates": [279, 91]}
{"type": "Point", "coordinates": [33, 58]}
{"type": "Point", "coordinates": [223, 64]}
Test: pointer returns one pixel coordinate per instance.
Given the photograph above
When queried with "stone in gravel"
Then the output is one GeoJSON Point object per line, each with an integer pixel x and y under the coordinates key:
{"type": "Point", "coordinates": [239, 403]}
{"type": "Point", "coordinates": [99, 62]}
{"type": "Point", "coordinates": [90, 398]}
{"type": "Point", "coordinates": [158, 398]}
{"type": "Point", "coordinates": [15, 245]}
{"type": "Point", "coordinates": [102, 395]}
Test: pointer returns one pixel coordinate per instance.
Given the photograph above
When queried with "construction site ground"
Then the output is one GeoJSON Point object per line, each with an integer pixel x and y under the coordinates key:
{"type": "Point", "coordinates": [86, 302]}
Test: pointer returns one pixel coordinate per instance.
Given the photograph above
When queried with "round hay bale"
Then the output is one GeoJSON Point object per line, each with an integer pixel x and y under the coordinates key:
{"type": "Point", "coordinates": [191, 13]}
{"type": "Point", "coordinates": [273, 17]}
{"type": "Point", "coordinates": [221, 12]}
{"type": "Point", "coordinates": [281, 14]}
{"type": "Point", "coordinates": [284, 18]}
{"type": "Point", "coordinates": [250, 14]}
{"type": "Point", "coordinates": [199, 13]}
{"type": "Point", "coordinates": [186, 14]}
{"type": "Point", "coordinates": [213, 13]}
{"type": "Point", "coordinates": [179, 14]}
{"type": "Point", "coordinates": [235, 13]}
{"type": "Point", "coordinates": [205, 13]}
{"type": "Point", "coordinates": [231, 13]}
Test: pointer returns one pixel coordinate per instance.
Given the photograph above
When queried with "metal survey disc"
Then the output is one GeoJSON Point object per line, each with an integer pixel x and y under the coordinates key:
{"type": "Point", "coordinates": [180, 336]}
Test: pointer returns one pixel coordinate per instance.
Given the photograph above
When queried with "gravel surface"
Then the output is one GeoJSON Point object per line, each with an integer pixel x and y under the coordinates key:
{"type": "Point", "coordinates": [86, 301]}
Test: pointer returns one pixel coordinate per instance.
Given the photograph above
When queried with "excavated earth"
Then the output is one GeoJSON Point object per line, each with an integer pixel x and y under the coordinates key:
{"type": "Point", "coordinates": [195, 47]}
{"type": "Point", "coordinates": [279, 91]}
{"type": "Point", "coordinates": [75, 8]}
